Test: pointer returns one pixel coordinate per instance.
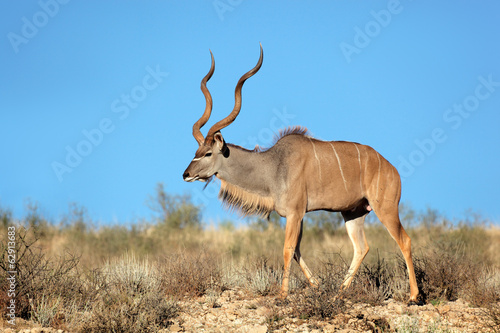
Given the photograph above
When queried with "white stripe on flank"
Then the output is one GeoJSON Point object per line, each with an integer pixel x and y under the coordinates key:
{"type": "Point", "coordinates": [359, 160]}
{"type": "Point", "coordinates": [392, 180]}
{"type": "Point", "coordinates": [366, 162]}
{"type": "Point", "coordinates": [340, 166]}
{"type": "Point", "coordinates": [317, 158]}
{"type": "Point", "coordinates": [390, 185]}
{"type": "Point", "coordinates": [378, 177]}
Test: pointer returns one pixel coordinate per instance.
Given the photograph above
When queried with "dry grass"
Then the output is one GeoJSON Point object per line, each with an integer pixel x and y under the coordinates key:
{"type": "Point", "coordinates": [78, 277]}
{"type": "Point", "coordinates": [130, 300]}
{"type": "Point", "coordinates": [39, 278]}
{"type": "Point", "coordinates": [326, 301]}
{"type": "Point", "coordinates": [192, 275]}
{"type": "Point", "coordinates": [445, 270]}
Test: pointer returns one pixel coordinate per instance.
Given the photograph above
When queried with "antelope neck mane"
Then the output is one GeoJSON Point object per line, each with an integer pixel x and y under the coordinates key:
{"type": "Point", "coordinates": [245, 202]}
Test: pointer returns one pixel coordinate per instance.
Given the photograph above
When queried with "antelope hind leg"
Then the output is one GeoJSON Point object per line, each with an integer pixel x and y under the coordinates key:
{"type": "Point", "coordinates": [390, 219]}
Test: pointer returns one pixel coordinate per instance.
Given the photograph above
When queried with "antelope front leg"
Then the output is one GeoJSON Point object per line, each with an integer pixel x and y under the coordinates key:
{"type": "Point", "coordinates": [298, 258]}
{"type": "Point", "coordinates": [292, 237]}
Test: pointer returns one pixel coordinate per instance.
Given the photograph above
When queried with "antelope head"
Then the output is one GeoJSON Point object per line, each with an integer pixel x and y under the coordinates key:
{"type": "Point", "coordinates": [212, 149]}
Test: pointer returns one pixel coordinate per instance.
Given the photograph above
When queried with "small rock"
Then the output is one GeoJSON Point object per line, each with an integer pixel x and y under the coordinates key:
{"type": "Point", "coordinates": [175, 328]}
{"type": "Point", "coordinates": [330, 328]}
{"type": "Point", "coordinates": [396, 307]}
{"type": "Point", "coordinates": [260, 329]}
{"type": "Point", "coordinates": [373, 317]}
{"type": "Point", "coordinates": [444, 309]}
{"type": "Point", "coordinates": [37, 330]}
{"type": "Point", "coordinates": [428, 307]}
{"type": "Point", "coordinates": [413, 308]}
{"type": "Point", "coordinates": [429, 315]}
{"type": "Point", "coordinates": [231, 316]}
{"type": "Point", "coordinates": [303, 327]}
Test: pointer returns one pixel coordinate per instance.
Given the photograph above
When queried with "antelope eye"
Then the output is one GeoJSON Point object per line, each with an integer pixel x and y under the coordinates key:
{"type": "Point", "coordinates": [208, 154]}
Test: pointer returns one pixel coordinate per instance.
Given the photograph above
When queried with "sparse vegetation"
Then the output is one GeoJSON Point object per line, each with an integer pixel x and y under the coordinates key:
{"type": "Point", "coordinates": [191, 274]}
{"type": "Point", "coordinates": [79, 277]}
{"type": "Point", "coordinates": [131, 299]}
{"type": "Point", "coordinates": [263, 279]}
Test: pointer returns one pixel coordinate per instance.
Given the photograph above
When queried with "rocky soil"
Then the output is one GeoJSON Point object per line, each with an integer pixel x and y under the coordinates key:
{"type": "Point", "coordinates": [236, 311]}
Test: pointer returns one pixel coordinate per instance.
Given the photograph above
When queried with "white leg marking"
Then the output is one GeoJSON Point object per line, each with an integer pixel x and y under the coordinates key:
{"type": "Point", "coordinates": [340, 166]}
{"type": "Point", "coordinates": [317, 158]}
{"type": "Point", "coordinates": [355, 230]}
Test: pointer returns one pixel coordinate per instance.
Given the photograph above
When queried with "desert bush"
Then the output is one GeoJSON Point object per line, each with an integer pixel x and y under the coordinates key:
{"type": "Point", "coordinates": [262, 277]}
{"type": "Point", "coordinates": [37, 274]}
{"type": "Point", "coordinates": [128, 273]}
{"type": "Point", "coordinates": [191, 274]}
{"type": "Point", "coordinates": [475, 240]}
{"type": "Point", "coordinates": [374, 282]}
{"type": "Point", "coordinates": [485, 293]}
{"type": "Point", "coordinates": [45, 310]}
{"type": "Point", "coordinates": [484, 290]}
{"type": "Point", "coordinates": [77, 220]}
{"type": "Point", "coordinates": [326, 300]}
{"type": "Point", "coordinates": [35, 221]}
{"type": "Point", "coordinates": [5, 218]}
{"type": "Point", "coordinates": [444, 270]}
{"type": "Point", "coordinates": [322, 303]}
{"type": "Point", "coordinates": [491, 312]}
{"type": "Point", "coordinates": [131, 300]}
{"type": "Point", "coordinates": [175, 211]}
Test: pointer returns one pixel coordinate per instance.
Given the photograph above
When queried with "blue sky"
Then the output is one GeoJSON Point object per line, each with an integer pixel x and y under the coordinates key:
{"type": "Point", "coordinates": [98, 98]}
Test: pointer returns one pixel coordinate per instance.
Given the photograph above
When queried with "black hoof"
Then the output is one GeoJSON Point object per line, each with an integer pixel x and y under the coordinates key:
{"type": "Point", "coordinates": [419, 303]}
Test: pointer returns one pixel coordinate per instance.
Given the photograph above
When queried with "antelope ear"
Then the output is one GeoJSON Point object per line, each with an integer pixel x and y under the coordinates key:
{"type": "Point", "coordinates": [219, 141]}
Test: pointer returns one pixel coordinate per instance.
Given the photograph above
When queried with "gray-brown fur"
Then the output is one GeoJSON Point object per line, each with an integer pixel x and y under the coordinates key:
{"type": "Point", "coordinates": [255, 202]}
{"type": "Point", "coordinates": [266, 174]}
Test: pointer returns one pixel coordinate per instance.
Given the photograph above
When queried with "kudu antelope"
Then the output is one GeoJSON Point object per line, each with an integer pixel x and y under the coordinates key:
{"type": "Point", "coordinates": [299, 174]}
